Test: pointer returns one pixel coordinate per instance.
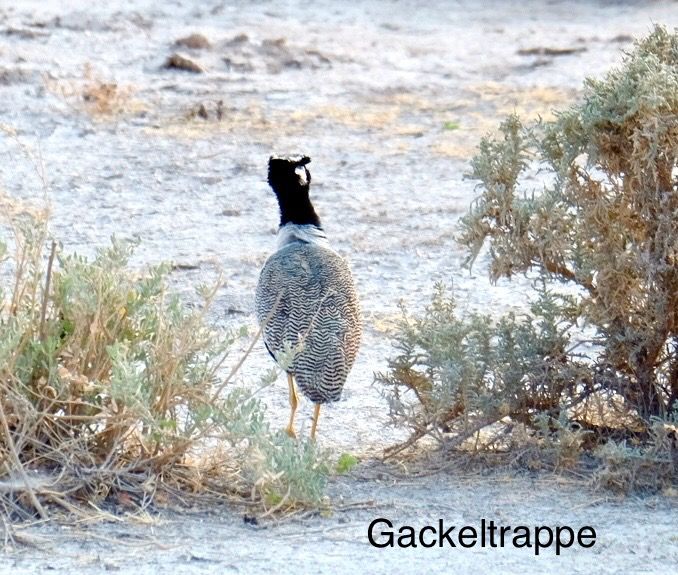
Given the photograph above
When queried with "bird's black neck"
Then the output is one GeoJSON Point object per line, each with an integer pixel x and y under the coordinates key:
{"type": "Point", "coordinates": [296, 207]}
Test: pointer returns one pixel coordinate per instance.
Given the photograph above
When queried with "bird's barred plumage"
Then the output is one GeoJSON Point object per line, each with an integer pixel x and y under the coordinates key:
{"type": "Point", "coordinates": [305, 299]}
{"type": "Point", "coordinates": [317, 315]}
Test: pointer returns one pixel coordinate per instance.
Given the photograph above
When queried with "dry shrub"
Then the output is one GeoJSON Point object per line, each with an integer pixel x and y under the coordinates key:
{"type": "Point", "coordinates": [604, 223]}
{"type": "Point", "coordinates": [112, 389]}
{"type": "Point", "coordinates": [607, 221]}
{"type": "Point", "coordinates": [625, 467]}
{"type": "Point", "coordinates": [98, 98]}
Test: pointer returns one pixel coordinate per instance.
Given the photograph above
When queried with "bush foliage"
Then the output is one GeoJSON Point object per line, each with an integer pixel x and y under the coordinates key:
{"type": "Point", "coordinates": [110, 386]}
{"type": "Point", "coordinates": [604, 223]}
{"type": "Point", "coordinates": [468, 373]}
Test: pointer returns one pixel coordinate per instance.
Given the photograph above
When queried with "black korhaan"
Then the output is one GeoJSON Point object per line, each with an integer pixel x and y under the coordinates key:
{"type": "Point", "coordinates": [306, 301]}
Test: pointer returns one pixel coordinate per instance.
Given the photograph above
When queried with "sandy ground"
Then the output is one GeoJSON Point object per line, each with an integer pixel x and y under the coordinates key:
{"type": "Point", "coordinates": [389, 99]}
{"type": "Point", "coordinates": [633, 536]}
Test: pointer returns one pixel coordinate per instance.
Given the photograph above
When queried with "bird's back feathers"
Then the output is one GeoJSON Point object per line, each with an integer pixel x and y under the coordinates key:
{"type": "Point", "coordinates": [308, 306]}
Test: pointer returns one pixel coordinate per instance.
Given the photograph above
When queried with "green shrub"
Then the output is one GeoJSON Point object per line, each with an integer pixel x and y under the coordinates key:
{"type": "Point", "coordinates": [346, 462]}
{"type": "Point", "coordinates": [471, 373]}
{"type": "Point", "coordinates": [288, 472]}
{"type": "Point", "coordinates": [603, 225]}
{"type": "Point", "coordinates": [110, 384]}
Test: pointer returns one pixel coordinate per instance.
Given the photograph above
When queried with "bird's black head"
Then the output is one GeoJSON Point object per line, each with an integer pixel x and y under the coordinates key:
{"type": "Point", "coordinates": [290, 180]}
{"type": "Point", "coordinates": [288, 172]}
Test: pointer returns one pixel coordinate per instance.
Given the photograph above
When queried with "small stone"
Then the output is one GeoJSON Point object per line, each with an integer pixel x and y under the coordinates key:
{"type": "Point", "coordinates": [179, 62]}
{"type": "Point", "coordinates": [194, 42]}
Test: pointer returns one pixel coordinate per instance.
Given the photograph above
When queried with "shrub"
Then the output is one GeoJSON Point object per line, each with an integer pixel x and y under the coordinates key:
{"type": "Point", "coordinates": [604, 225]}
{"type": "Point", "coordinates": [471, 373]}
{"type": "Point", "coordinates": [100, 99]}
{"type": "Point", "coordinates": [606, 222]}
{"type": "Point", "coordinates": [109, 385]}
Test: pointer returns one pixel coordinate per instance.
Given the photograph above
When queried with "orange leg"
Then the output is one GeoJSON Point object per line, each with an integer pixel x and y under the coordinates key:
{"type": "Point", "coordinates": [294, 402]}
{"type": "Point", "coordinates": [316, 414]}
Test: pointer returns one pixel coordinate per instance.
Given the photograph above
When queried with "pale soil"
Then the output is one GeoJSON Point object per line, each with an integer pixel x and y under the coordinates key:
{"type": "Point", "coordinates": [366, 90]}
{"type": "Point", "coordinates": [634, 536]}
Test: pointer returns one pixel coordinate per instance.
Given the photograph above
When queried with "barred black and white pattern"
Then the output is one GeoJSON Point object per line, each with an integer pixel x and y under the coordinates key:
{"type": "Point", "coordinates": [306, 298]}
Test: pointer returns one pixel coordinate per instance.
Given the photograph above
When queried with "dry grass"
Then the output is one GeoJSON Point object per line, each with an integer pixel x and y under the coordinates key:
{"type": "Point", "coordinates": [487, 102]}
{"type": "Point", "coordinates": [98, 98]}
{"type": "Point", "coordinates": [394, 122]}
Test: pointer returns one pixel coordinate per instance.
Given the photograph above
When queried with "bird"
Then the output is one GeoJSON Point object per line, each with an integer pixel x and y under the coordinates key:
{"type": "Point", "coordinates": [306, 302]}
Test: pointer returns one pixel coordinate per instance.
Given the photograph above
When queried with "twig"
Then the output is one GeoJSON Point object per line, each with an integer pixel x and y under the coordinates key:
{"type": "Point", "coordinates": [395, 449]}
{"type": "Point", "coordinates": [19, 466]}
{"type": "Point", "coordinates": [45, 296]}
{"type": "Point", "coordinates": [146, 542]}
{"type": "Point", "coordinates": [588, 503]}
{"type": "Point", "coordinates": [275, 508]}
{"type": "Point", "coordinates": [369, 504]}
{"type": "Point", "coordinates": [249, 349]}
{"type": "Point", "coordinates": [238, 365]}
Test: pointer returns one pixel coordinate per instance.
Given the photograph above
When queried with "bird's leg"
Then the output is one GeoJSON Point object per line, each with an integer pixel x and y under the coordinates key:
{"type": "Point", "coordinates": [294, 402]}
{"type": "Point", "coordinates": [316, 414]}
